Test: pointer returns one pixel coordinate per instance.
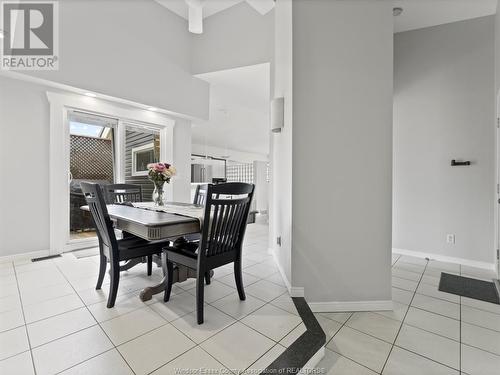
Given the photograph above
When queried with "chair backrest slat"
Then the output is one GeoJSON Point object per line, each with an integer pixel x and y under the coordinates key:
{"type": "Point", "coordinates": [97, 205]}
{"type": "Point", "coordinates": [226, 212]}
{"type": "Point", "coordinates": [222, 230]}
{"type": "Point", "coordinates": [240, 218]}
{"type": "Point", "coordinates": [226, 232]}
{"type": "Point", "coordinates": [212, 245]}
{"type": "Point", "coordinates": [120, 193]}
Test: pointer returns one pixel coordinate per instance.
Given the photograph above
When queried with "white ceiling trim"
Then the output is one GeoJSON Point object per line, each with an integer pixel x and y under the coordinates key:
{"type": "Point", "coordinates": [211, 7]}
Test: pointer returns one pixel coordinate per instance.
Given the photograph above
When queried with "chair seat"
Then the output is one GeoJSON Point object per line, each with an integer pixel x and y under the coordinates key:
{"type": "Point", "coordinates": [189, 249]}
{"type": "Point", "coordinates": [134, 247]}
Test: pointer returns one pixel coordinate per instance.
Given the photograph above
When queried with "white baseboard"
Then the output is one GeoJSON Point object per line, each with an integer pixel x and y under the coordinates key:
{"type": "Point", "coordinates": [313, 361]}
{"type": "Point", "coordinates": [288, 285]}
{"type": "Point", "coordinates": [341, 306]}
{"type": "Point", "coordinates": [445, 258]}
{"type": "Point", "coordinates": [296, 291]}
{"type": "Point", "coordinates": [22, 256]}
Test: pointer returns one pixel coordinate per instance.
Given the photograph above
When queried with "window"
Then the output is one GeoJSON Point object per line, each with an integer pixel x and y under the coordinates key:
{"type": "Point", "coordinates": [240, 173]}
{"type": "Point", "coordinates": [141, 157]}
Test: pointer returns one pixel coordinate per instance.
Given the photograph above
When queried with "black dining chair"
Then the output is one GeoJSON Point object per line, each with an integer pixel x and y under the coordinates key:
{"type": "Point", "coordinates": [110, 248]}
{"type": "Point", "coordinates": [126, 194]}
{"type": "Point", "coordinates": [221, 241]}
{"type": "Point", "coordinates": [122, 193]}
{"type": "Point", "coordinates": [200, 196]}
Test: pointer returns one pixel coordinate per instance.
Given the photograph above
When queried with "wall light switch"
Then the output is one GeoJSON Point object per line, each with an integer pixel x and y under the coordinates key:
{"type": "Point", "coordinates": [450, 238]}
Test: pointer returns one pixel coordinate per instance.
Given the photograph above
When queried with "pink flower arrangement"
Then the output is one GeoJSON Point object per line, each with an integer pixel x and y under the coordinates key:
{"type": "Point", "coordinates": [161, 172]}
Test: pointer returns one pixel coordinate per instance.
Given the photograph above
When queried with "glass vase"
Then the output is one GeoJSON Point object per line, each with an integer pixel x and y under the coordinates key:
{"type": "Point", "coordinates": [159, 196]}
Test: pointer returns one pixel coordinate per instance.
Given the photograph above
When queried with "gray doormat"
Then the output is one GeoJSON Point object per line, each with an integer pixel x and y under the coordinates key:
{"type": "Point", "coordinates": [470, 288]}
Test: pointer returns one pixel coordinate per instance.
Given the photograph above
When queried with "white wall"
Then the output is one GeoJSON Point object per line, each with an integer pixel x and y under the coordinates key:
{"type": "Point", "coordinates": [182, 161]}
{"type": "Point", "coordinates": [444, 109]}
{"type": "Point", "coordinates": [280, 200]}
{"type": "Point", "coordinates": [24, 166]}
{"type": "Point", "coordinates": [135, 50]}
{"type": "Point", "coordinates": [261, 186]}
{"type": "Point", "coordinates": [342, 146]}
{"type": "Point", "coordinates": [237, 36]}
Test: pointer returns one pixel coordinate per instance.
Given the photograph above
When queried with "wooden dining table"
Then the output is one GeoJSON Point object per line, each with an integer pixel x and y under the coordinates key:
{"type": "Point", "coordinates": [154, 225]}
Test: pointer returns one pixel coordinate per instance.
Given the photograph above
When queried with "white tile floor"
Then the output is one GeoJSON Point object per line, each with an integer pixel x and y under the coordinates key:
{"type": "Point", "coordinates": [429, 332]}
{"type": "Point", "coordinates": [53, 321]}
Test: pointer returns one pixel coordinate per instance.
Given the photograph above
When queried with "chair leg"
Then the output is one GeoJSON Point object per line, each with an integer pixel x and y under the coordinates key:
{"type": "Point", "coordinates": [150, 265]}
{"type": "Point", "coordinates": [239, 279]}
{"type": "Point", "coordinates": [170, 278]}
{"type": "Point", "coordinates": [200, 284]}
{"type": "Point", "coordinates": [103, 263]}
{"type": "Point", "coordinates": [207, 277]}
{"type": "Point", "coordinates": [115, 280]}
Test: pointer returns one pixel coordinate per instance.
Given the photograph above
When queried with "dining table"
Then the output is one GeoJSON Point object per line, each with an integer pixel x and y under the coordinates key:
{"type": "Point", "coordinates": [153, 223]}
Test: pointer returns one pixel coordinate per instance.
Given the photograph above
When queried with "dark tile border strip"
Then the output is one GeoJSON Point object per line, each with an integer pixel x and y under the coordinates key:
{"type": "Point", "coordinates": [45, 258]}
{"type": "Point", "coordinates": [293, 359]}
{"type": "Point", "coordinates": [497, 286]}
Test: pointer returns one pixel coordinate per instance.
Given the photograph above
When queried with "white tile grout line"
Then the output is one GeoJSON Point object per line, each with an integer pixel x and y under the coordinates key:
{"type": "Point", "coordinates": [239, 320]}
{"type": "Point", "coordinates": [24, 318]}
{"type": "Point", "coordinates": [403, 322]}
{"type": "Point", "coordinates": [109, 338]}
{"type": "Point", "coordinates": [266, 302]}
{"type": "Point", "coordinates": [393, 344]}
{"type": "Point", "coordinates": [115, 347]}
{"type": "Point", "coordinates": [409, 306]}
{"type": "Point", "coordinates": [343, 355]}
{"type": "Point", "coordinates": [404, 318]}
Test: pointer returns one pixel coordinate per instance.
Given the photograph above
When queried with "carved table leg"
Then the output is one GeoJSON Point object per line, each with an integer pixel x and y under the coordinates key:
{"type": "Point", "coordinates": [131, 263]}
{"type": "Point", "coordinates": [181, 273]}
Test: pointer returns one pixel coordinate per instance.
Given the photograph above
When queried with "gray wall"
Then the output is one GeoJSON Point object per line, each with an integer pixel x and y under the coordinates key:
{"type": "Point", "coordinates": [342, 148]}
{"type": "Point", "coordinates": [24, 160]}
{"type": "Point", "coordinates": [136, 50]}
{"type": "Point", "coordinates": [444, 109]}
{"type": "Point", "coordinates": [237, 36]}
{"type": "Point", "coordinates": [497, 50]}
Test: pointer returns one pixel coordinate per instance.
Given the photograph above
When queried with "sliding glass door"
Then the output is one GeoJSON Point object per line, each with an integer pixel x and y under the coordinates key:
{"type": "Point", "coordinates": [91, 158]}
{"type": "Point", "coordinates": [104, 150]}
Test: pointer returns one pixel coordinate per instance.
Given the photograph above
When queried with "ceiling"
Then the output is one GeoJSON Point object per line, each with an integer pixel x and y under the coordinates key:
{"type": "Point", "coordinates": [418, 14]}
{"type": "Point", "coordinates": [210, 7]}
{"type": "Point", "coordinates": [239, 110]}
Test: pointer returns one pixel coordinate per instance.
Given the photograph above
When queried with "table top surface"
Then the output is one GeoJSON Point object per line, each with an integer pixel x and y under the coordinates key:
{"type": "Point", "coordinates": [144, 217]}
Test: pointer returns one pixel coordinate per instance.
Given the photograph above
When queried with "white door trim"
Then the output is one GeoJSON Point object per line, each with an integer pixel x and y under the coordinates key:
{"type": "Point", "coordinates": [60, 103]}
{"type": "Point", "coordinates": [497, 187]}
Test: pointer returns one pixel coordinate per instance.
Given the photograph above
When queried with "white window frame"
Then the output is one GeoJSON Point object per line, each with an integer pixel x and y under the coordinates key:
{"type": "Point", "coordinates": [60, 105]}
{"type": "Point", "coordinates": [135, 150]}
